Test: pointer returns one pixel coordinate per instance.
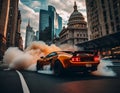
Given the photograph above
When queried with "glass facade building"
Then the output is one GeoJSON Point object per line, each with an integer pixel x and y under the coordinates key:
{"type": "Point", "coordinates": [50, 24]}
{"type": "Point", "coordinates": [44, 20]}
{"type": "Point", "coordinates": [59, 26]}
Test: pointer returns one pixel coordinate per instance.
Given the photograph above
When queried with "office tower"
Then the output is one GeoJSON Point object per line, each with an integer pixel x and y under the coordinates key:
{"type": "Point", "coordinates": [9, 24]}
{"type": "Point", "coordinates": [49, 25]}
{"type": "Point", "coordinates": [30, 35]}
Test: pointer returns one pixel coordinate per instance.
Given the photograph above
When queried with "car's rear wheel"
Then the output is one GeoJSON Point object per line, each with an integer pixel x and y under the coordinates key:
{"type": "Point", "coordinates": [38, 66]}
{"type": "Point", "coordinates": [58, 68]}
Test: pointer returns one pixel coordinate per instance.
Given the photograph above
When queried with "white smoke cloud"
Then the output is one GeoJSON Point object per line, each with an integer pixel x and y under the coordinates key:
{"type": "Point", "coordinates": [17, 59]}
{"type": "Point", "coordinates": [10, 54]}
{"type": "Point", "coordinates": [104, 70]}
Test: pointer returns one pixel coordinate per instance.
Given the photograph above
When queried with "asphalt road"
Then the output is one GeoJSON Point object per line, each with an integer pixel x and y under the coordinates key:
{"type": "Point", "coordinates": [72, 83]}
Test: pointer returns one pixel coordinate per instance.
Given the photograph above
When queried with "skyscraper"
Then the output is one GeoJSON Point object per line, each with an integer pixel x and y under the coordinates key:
{"type": "Point", "coordinates": [9, 24]}
{"type": "Point", "coordinates": [44, 20]}
{"type": "Point", "coordinates": [4, 15]}
{"type": "Point", "coordinates": [37, 35]}
{"type": "Point", "coordinates": [12, 23]}
{"type": "Point", "coordinates": [49, 25]}
{"type": "Point", "coordinates": [44, 26]}
{"type": "Point", "coordinates": [103, 17]}
{"type": "Point", "coordinates": [18, 37]}
{"type": "Point", "coordinates": [58, 26]}
{"type": "Point", "coordinates": [30, 35]}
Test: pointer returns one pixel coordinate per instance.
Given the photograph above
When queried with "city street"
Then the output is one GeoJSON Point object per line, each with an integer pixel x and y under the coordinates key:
{"type": "Point", "coordinates": [59, 46]}
{"type": "Point", "coordinates": [10, 82]}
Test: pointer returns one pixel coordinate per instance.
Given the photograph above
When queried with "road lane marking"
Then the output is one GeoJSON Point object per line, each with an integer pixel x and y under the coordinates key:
{"type": "Point", "coordinates": [23, 82]}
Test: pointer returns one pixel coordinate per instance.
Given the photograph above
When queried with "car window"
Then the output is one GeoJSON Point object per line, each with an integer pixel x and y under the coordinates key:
{"type": "Point", "coordinates": [83, 53]}
{"type": "Point", "coordinates": [51, 54]}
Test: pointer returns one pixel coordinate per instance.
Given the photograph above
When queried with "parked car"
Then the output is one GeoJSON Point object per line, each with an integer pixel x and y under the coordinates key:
{"type": "Point", "coordinates": [78, 61]}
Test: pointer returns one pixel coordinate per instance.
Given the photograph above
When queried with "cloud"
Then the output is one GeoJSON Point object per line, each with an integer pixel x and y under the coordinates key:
{"type": "Point", "coordinates": [35, 5]}
{"type": "Point", "coordinates": [63, 7]}
{"type": "Point", "coordinates": [26, 14]}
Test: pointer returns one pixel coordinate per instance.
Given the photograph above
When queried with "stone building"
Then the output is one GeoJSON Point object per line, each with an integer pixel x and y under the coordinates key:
{"type": "Point", "coordinates": [9, 24]}
{"type": "Point", "coordinates": [18, 37]}
{"type": "Point", "coordinates": [12, 23]}
{"type": "Point", "coordinates": [103, 17]}
{"type": "Point", "coordinates": [76, 30]}
{"type": "Point", "coordinates": [4, 15]}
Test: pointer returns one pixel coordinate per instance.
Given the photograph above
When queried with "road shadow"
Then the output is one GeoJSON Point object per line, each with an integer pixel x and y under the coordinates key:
{"type": "Point", "coordinates": [78, 77]}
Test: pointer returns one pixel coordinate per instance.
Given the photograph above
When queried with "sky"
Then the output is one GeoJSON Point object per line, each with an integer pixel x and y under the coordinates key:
{"type": "Point", "coordinates": [30, 10]}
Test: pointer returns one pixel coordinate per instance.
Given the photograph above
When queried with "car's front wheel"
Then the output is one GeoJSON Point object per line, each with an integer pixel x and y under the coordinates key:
{"type": "Point", "coordinates": [58, 68]}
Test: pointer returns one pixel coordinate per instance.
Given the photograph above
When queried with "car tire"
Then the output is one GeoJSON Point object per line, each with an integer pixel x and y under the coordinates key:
{"type": "Point", "coordinates": [38, 66]}
{"type": "Point", "coordinates": [58, 68]}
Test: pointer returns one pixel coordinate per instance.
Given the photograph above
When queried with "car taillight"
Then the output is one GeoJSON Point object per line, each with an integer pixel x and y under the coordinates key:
{"type": "Point", "coordinates": [96, 58]}
{"type": "Point", "coordinates": [75, 59]}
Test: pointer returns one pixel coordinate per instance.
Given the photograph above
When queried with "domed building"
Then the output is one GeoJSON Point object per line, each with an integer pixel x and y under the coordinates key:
{"type": "Point", "coordinates": [76, 30]}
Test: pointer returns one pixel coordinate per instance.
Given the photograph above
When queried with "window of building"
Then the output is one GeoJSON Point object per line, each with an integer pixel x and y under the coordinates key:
{"type": "Point", "coordinates": [115, 5]}
{"type": "Point", "coordinates": [118, 4]}
{"type": "Point", "coordinates": [116, 11]}
{"type": "Point", "coordinates": [102, 1]}
{"type": "Point", "coordinates": [117, 19]}
{"type": "Point", "coordinates": [91, 4]}
{"type": "Point", "coordinates": [118, 27]}
{"type": "Point", "coordinates": [112, 25]}
{"type": "Point", "coordinates": [111, 17]}
{"type": "Point", "coordinates": [105, 17]}
{"type": "Point", "coordinates": [107, 29]}
{"type": "Point", "coordinates": [84, 35]}
{"type": "Point", "coordinates": [1, 1]}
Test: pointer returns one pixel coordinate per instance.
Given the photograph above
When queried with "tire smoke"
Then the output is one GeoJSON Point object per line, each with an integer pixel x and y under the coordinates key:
{"type": "Point", "coordinates": [26, 60]}
{"type": "Point", "coordinates": [104, 70]}
{"type": "Point", "coordinates": [17, 59]}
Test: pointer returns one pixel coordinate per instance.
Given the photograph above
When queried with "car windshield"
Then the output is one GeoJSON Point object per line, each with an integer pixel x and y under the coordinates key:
{"type": "Point", "coordinates": [51, 54]}
{"type": "Point", "coordinates": [82, 53]}
{"type": "Point", "coordinates": [65, 52]}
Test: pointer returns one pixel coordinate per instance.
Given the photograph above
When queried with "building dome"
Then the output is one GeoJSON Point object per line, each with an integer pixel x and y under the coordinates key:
{"type": "Point", "coordinates": [76, 31]}
{"type": "Point", "coordinates": [76, 17]}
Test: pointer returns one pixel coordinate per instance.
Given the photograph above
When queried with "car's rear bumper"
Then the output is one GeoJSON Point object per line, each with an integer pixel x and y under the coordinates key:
{"type": "Point", "coordinates": [85, 68]}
